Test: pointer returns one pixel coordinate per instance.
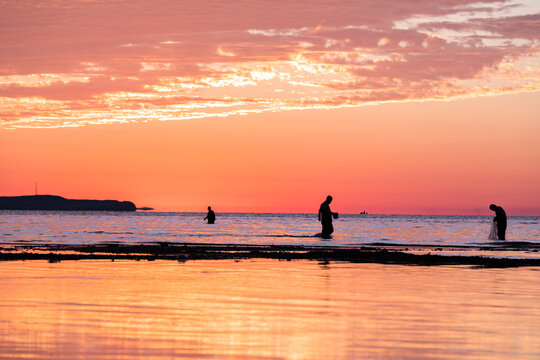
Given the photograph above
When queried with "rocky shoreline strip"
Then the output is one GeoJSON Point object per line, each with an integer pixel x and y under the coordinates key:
{"type": "Point", "coordinates": [189, 251]}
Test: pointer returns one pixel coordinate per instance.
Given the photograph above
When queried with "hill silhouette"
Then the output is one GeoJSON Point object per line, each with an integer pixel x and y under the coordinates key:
{"type": "Point", "coordinates": [54, 202]}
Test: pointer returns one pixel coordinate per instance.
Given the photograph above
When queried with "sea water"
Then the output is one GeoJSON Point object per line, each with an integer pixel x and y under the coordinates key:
{"type": "Point", "coordinates": [266, 309]}
{"type": "Point", "coordinates": [263, 309]}
{"type": "Point", "coordinates": [86, 227]}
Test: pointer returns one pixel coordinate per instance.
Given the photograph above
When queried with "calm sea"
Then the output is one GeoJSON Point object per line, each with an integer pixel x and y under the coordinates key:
{"type": "Point", "coordinates": [263, 309]}
{"type": "Point", "coordinates": [239, 228]}
{"type": "Point", "coordinates": [266, 309]}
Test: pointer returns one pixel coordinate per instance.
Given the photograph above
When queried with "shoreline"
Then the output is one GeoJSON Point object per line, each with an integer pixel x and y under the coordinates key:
{"type": "Point", "coordinates": [189, 251]}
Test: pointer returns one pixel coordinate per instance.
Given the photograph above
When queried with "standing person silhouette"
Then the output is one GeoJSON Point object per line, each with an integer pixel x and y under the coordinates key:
{"type": "Point", "coordinates": [500, 220]}
{"type": "Point", "coordinates": [325, 217]}
{"type": "Point", "coordinates": [211, 216]}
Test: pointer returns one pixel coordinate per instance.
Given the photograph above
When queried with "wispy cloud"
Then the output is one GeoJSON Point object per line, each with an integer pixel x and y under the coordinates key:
{"type": "Point", "coordinates": [72, 63]}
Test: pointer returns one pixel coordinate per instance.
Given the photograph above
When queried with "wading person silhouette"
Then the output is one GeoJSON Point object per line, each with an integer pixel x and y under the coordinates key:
{"type": "Point", "coordinates": [325, 217]}
{"type": "Point", "coordinates": [211, 216]}
{"type": "Point", "coordinates": [499, 220]}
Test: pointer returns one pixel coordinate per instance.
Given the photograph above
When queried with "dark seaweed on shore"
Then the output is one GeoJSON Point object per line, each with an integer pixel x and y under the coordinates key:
{"type": "Point", "coordinates": [183, 252]}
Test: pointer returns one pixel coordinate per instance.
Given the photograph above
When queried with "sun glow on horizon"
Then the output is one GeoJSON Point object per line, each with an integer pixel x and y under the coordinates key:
{"type": "Point", "coordinates": [181, 104]}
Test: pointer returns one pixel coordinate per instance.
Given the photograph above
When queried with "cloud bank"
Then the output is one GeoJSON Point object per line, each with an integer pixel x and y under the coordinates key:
{"type": "Point", "coordinates": [73, 63]}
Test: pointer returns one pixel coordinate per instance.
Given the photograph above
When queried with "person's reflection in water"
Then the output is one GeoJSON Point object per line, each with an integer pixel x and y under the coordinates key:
{"type": "Point", "coordinates": [211, 216]}
{"type": "Point", "coordinates": [500, 220]}
{"type": "Point", "coordinates": [325, 217]}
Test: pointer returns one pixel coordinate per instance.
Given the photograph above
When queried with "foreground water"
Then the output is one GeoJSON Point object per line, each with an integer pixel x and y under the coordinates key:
{"type": "Point", "coordinates": [58, 227]}
{"type": "Point", "coordinates": [266, 310]}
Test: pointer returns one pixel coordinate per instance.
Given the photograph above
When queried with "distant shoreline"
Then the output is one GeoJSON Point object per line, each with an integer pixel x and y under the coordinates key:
{"type": "Point", "coordinates": [187, 251]}
{"type": "Point", "coordinates": [55, 202]}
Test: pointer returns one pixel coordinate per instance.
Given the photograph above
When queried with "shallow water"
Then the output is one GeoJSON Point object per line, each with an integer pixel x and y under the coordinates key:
{"type": "Point", "coordinates": [59, 227]}
{"type": "Point", "coordinates": [266, 310]}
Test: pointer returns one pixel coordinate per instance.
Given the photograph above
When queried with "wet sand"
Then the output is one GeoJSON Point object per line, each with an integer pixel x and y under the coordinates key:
{"type": "Point", "coordinates": [389, 254]}
{"type": "Point", "coordinates": [266, 309]}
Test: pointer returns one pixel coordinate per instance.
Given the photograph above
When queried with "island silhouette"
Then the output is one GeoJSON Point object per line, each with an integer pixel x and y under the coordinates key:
{"type": "Point", "coordinates": [55, 202]}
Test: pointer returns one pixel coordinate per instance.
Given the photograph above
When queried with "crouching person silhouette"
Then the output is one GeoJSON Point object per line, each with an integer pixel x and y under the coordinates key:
{"type": "Point", "coordinates": [500, 220]}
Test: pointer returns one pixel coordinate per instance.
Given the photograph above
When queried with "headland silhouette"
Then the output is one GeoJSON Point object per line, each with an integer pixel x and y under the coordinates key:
{"type": "Point", "coordinates": [54, 202]}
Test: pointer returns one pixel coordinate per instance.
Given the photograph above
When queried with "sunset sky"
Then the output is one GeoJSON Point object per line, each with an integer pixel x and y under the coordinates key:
{"type": "Point", "coordinates": [406, 106]}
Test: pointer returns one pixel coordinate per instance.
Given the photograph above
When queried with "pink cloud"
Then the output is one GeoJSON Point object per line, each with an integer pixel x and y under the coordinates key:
{"type": "Point", "coordinates": [188, 50]}
{"type": "Point", "coordinates": [525, 27]}
{"type": "Point", "coordinates": [72, 90]}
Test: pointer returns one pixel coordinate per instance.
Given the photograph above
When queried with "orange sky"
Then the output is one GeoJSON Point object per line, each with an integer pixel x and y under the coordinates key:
{"type": "Point", "coordinates": [421, 107]}
{"type": "Point", "coordinates": [436, 157]}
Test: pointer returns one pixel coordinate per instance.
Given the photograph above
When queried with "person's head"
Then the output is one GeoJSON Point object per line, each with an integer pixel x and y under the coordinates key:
{"type": "Point", "coordinates": [209, 208]}
{"type": "Point", "coordinates": [329, 199]}
{"type": "Point", "coordinates": [493, 207]}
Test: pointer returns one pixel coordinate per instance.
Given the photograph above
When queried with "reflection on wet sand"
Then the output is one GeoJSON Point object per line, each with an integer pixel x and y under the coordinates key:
{"type": "Point", "coordinates": [266, 309]}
